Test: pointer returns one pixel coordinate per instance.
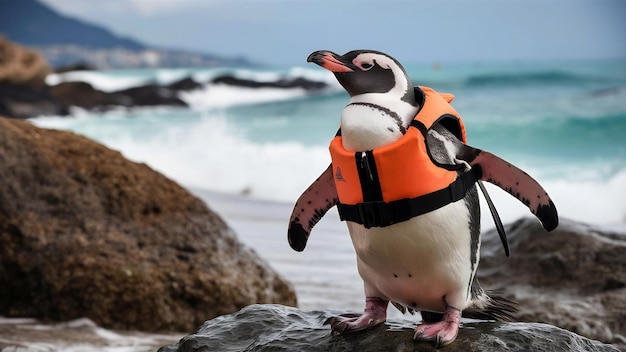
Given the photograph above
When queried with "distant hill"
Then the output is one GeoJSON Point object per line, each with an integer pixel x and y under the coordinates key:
{"type": "Point", "coordinates": [32, 23]}
{"type": "Point", "coordinates": [64, 40]}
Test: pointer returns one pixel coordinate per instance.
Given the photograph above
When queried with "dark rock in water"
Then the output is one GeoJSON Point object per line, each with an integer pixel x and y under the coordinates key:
{"type": "Point", "coordinates": [283, 83]}
{"type": "Point", "coordinates": [151, 95]}
{"type": "Point", "coordinates": [78, 66]}
{"type": "Point", "coordinates": [23, 91]}
{"type": "Point", "coordinates": [84, 95]}
{"type": "Point", "coordinates": [86, 233]}
{"type": "Point", "coordinates": [184, 84]}
{"type": "Point", "coordinates": [22, 101]}
{"type": "Point", "coordinates": [573, 277]}
{"type": "Point", "coordinates": [279, 328]}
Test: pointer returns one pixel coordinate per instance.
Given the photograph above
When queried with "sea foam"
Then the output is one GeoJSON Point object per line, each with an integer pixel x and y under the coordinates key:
{"type": "Point", "coordinates": [221, 96]}
{"type": "Point", "coordinates": [98, 80]}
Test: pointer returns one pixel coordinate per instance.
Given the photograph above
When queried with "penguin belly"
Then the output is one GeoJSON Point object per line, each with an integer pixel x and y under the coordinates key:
{"type": "Point", "coordinates": [424, 263]}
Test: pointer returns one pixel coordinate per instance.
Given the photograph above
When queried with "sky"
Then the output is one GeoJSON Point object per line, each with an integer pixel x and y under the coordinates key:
{"type": "Point", "coordinates": [285, 32]}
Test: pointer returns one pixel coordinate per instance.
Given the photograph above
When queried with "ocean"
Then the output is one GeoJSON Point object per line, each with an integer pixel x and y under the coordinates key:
{"type": "Point", "coordinates": [250, 152]}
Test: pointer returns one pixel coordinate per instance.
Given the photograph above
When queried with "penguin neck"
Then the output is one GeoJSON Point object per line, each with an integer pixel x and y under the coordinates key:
{"type": "Point", "coordinates": [403, 109]}
{"type": "Point", "coordinates": [366, 123]}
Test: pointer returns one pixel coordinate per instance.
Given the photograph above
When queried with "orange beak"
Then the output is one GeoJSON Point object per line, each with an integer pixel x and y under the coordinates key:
{"type": "Point", "coordinates": [329, 61]}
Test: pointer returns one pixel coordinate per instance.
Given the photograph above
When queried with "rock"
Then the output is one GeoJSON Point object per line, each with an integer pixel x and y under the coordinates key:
{"type": "Point", "coordinates": [22, 101]}
{"type": "Point", "coordinates": [573, 277]}
{"type": "Point", "coordinates": [86, 233]}
{"type": "Point", "coordinates": [22, 66]}
{"type": "Point", "coordinates": [282, 83]}
{"type": "Point", "coordinates": [279, 328]}
{"type": "Point", "coordinates": [77, 66]}
{"type": "Point", "coordinates": [23, 92]}
{"type": "Point", "coordinates": [184, 84]}
{"type": "Point", "coordinates": [84, 95]}
{"type": "Point", "coordinates": [150, 95]}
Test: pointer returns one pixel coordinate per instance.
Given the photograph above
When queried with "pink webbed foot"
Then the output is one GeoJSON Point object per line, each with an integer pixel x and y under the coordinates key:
{"type": "Point", "coordinates": [443, 332]}
{"type": "Point", "coordinates": [375, 313]}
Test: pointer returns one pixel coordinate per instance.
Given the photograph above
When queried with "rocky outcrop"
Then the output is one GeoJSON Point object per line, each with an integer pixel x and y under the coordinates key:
{"type": "Point", "coordinates": [84, 95]}
{"type": "Point", "coordinates": [86, 233]}
{"type": "Point", "coordinates": [21, 66]}
{"type": "Point", "coordinates": [280, 83]}
{"type": "Point", "coordinates": [573, 277]}
{"type": "Point", "coordinates": [20, 101]}
{"type": "Point", "coordinates": [184, 84]}
{"type": "Point", "coordinates": [76, 66]}
{"type": "Point", "coordinates": [22, 83]}
{"type": "Point", "coordinates": [24, 93]}
{"type": "Point", "coordinates": [151, 95]}
{"type": "Point", "coordinates": [279, 328]}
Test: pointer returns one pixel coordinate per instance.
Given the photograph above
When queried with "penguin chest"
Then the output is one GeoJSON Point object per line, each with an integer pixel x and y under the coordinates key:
{"type": "Point", "coordinates": [367, 126]}
{"type": "Point", "coordinates": [419, 263]}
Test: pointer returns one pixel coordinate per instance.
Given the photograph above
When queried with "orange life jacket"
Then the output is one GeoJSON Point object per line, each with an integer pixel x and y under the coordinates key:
{"type": "Point", "coordinates": [400, 180]}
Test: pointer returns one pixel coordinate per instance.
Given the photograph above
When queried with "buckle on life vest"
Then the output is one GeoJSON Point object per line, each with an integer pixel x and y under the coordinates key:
{"type": "Point", "coordinates": [374, 214]}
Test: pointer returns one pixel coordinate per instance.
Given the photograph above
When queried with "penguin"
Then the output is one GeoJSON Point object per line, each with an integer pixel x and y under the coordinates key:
{"type": "Point", "coordinates": [421, 263]}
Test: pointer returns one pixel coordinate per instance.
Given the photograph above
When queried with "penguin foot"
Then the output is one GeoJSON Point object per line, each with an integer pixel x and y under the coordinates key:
{"type": "Point", "coordinates": [443, 332]}
{"type": "Point", "coordinates": [375, 313]}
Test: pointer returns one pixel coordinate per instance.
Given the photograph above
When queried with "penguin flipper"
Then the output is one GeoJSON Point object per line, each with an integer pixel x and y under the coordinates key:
{"type": "Point", "coordinates": [446, 148]}
{"type": "Point", "coordinates": [518, 184]}
{"type": "Point", "coordinates": [310, 208]}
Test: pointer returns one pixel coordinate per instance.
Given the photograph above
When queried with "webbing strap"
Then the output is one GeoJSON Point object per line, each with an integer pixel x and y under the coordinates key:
{"type": "Point", "coordinates": [381, 214]}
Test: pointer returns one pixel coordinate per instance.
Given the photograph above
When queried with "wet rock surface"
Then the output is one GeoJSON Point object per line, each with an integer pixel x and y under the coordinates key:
{"type": "Point", "coordinates": [281, 83]}
{"type": "Point", "coordinates": [573, 277]}
{"type": "Point", "coordinates": [87, 233]}
{"type": "Point", "coordinates": [279, 328]}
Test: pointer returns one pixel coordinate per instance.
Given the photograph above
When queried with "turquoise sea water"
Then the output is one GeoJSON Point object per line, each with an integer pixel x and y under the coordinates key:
{"type": "Point", "coordinates": [564, 123]}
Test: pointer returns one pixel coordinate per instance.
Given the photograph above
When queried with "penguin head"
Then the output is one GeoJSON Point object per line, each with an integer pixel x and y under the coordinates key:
{"type": "Point", "coordinates": [367, 71]}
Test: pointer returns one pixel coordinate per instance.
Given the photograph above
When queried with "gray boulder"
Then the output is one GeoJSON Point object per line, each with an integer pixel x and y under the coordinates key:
{"type": "Point", "coordinates": [573, 277]}
{"type": "Point", "coordinates": [280, 328]}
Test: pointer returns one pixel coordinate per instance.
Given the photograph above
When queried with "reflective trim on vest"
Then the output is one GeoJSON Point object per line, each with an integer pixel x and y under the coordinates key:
{"type": "Point", "coordinates": [404, 167]}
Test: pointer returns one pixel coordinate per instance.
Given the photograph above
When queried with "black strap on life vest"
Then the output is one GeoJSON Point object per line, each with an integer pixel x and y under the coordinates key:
{"type": "Point", "coordinates": [381, 214]}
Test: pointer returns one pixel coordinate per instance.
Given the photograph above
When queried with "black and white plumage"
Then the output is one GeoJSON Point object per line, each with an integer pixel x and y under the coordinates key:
{"type": "Point", "coordinates": [429, 262]}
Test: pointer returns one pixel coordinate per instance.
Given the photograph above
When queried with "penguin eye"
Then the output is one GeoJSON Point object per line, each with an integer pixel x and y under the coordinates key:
{"type": "Point", "coordinates": [364, 63]}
